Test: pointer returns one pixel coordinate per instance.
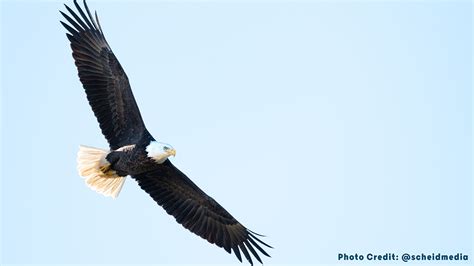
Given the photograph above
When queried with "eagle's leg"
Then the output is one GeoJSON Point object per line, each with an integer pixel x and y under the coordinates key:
{"type": "Point", "coordinates": [105, 168]}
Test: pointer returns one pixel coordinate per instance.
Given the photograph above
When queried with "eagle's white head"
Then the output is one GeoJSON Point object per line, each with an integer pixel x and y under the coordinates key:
{"type": "Point", "coordinates": [160, 151]}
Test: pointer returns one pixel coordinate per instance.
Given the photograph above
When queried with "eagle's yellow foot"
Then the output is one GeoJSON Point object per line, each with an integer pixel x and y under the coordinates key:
{"type": "Point", "coordinates": [105, 168]}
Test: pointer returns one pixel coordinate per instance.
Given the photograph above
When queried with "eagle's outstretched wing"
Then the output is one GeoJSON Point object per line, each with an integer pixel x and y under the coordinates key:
{"type": "Point", "coordinates": [198, 212]}
{"type": "Point", "coordinates": [104, 80]}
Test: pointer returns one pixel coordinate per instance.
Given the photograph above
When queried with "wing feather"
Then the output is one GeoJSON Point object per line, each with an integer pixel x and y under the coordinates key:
{"type": "Point", "coordinates": [104, 80]}
{"type": "Point", "coordinates": [199, 213]}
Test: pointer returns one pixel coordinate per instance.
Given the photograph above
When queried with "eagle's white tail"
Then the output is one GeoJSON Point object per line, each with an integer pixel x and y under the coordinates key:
{"type": "Point", "coordinates": [94, 167]}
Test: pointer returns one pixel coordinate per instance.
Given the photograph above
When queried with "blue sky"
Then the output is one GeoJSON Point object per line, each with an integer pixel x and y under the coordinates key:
{"type": "Point", "coordinates": [330, 127]}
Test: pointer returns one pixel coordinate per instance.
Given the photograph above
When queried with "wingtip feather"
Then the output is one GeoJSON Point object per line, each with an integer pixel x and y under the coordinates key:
{"type": "Point", "coordinates": [237, 253]}
{"type": "Point", "coordinates": [246, 253]}
{"type": "Point", "coordinates": [252, 250]}
{"type": "Point", "coordinates": [260, 241]}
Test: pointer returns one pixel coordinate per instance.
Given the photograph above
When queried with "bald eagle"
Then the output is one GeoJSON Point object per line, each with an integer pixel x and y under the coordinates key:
{"type": "Point", "coordinates": [134, 152]}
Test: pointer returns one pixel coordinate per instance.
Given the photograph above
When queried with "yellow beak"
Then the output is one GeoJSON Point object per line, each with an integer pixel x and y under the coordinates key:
{"type": "Point", "coordinates": [171, 152]}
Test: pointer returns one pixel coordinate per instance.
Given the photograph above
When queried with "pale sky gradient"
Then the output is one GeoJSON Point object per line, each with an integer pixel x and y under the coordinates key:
{"type": "Point", "coordinates": [328, 126]}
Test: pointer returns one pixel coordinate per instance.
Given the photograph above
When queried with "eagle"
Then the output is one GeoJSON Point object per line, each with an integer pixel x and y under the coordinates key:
{"type": "Point", "coordinates": [134, 152]}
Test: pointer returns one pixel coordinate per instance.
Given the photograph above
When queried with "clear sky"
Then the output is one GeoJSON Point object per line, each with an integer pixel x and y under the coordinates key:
{"type": "Point", "coordinates": [330, 127]}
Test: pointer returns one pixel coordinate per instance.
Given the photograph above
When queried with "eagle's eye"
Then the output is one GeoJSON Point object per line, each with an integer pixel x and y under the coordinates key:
{"type": "Point", "coordinates": [165, 148]}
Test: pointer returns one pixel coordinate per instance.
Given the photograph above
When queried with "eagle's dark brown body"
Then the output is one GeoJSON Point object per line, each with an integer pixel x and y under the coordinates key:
{"type": "Point", "coordinates": [131, 161]}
